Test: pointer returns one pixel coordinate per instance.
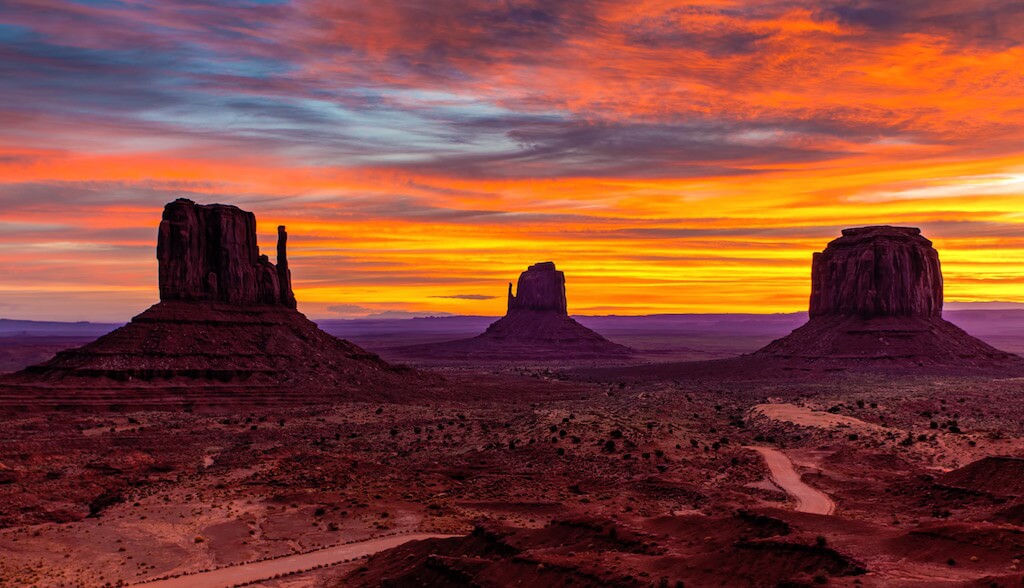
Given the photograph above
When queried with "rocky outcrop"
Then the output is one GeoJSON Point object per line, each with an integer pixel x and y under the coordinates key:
{"type": "Point", "coordinates": [541, 288]}
{"type": "Point", "coordinates": [537, 323]}
{"type": "Point", "coordinates": [876, 301]}
{"type": "Point", "coordinates": [875, 306]}
{"type": "Point", "coordinates": [284, 275]}
{"type": "Point", "coordinates": [209, 253]}
{"type": "Point", "coordinates": [877, 271]}
{"type": "Point", "coordinates": [536, 326]}
{"type": "Point", "coordinates": [226, 330]}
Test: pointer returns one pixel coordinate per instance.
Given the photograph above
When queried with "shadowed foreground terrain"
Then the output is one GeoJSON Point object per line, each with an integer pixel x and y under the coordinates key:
{"type": "Point", "coordinates": [608, 483]}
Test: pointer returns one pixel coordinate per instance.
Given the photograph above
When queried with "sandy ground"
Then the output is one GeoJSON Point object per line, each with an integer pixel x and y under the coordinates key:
{"type": "Point", "coordinates": [807, 417]}
{"type": "Point", "coordinates": [668, 462]}
{"type": "Point", "coordinates": [808, 499]}
{"type": "Point", "coordinates": [263, 570]}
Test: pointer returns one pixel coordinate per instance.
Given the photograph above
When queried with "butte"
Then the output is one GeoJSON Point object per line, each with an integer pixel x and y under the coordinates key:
{"type": "Point", "coordinates": [536, 326]}
{"type": "Point", "coordinates": [875, 305]}
{"type": "Point", "coordinates": [876, 299]}
{"type": "Point", "coordinates": [225, 332]}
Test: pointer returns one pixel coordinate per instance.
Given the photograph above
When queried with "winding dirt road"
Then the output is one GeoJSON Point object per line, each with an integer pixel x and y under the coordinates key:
{"type": "Point", "coordinates": [262, 570]}
{"type": "Point", "coordinates": [781, 471]}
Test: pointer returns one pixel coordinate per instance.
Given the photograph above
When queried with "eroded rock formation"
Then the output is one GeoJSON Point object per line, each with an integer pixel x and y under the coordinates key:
{"type": "Point", "coordinates": [877, 271]}
{"type": "Point", "coordinates": [541, 288]}
{"type": "Point", "coordinates": [209, 253]}
{"type": "Point", "coordinates": [536, 325]}
{"type": "Point", "coordinates": [876, 299]}
{"type": "Point", "coordinates": [227, 321]}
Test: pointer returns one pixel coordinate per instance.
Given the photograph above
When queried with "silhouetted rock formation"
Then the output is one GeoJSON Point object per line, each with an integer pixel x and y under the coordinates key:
{"type": "Point", "coordinates": [284, 275]}
{"type": "Point", "coordinates": [876, 297]}
{"type": "Point", "coordinates": [875, 305]}
{"type": "Point", "coordinates": [877, 271]}
{"type": "Point", "coordinates": [541, 288]}
{"type": "Point", "coordinates": [537, 325]}
{"type": "Point", "coordinates": [227, 319]}
{"type": "Point", "coordinates": [209, 253]}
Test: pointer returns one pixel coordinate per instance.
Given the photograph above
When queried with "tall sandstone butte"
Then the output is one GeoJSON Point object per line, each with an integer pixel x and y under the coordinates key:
{"type": "Point", "coordinates": [877, 271]}
{"type": "Point", "coordinates": [876, 299]}
{"type": "Point", "coordinates": [226, 330]}
{"type": "Point", "coordinates": [536, 325]}
{"type": "Point", "coordinates": [541, 288]}
{"type": "Point", "coordinates": [209, 253]}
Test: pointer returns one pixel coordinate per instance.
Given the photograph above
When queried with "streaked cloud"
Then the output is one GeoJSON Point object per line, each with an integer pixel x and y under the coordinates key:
{"type": "Point", "coordinates": [670, 156]}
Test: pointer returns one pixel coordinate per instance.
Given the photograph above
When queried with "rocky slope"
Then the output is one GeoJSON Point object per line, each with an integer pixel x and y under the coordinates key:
{"type": "Point", "coordinates": [225, 331]}
{"type": "Point", "coordinates": [536, 326]}
{"type": "Point", "coordinates": [876, 297]}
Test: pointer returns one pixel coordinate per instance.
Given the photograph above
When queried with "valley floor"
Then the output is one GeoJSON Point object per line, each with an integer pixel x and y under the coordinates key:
{"type": "Point", "coordinates": [840, 480]}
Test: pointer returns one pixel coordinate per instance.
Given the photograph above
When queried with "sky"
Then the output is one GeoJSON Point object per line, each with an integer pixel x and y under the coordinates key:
{"type": "Point", "coordinates": [668, 156]}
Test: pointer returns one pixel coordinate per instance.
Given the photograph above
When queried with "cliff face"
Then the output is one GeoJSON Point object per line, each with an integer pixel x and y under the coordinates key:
{"type": "Point", "coordinates": [876, 300]}
{"type": "Point", "coordinates": [536, 326]}
{"type": "Point", "coordinates": [877, 272]}
{"type": "Point", "coordinates": [541, 288]}
{"type": "Point", "coordinates": [209, 253]}
{"type": "Point", "coordinates": [226, 331]}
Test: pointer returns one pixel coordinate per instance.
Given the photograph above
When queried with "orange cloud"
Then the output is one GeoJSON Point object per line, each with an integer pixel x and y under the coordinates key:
{"type": "Point", "coordinates": [670, 156]}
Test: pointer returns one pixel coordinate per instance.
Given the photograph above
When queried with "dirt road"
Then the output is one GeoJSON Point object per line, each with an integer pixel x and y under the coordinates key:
{"type": "Point", "coordinates": [262, 570]}
{"type": "Point", "coordinates": [781, 470]}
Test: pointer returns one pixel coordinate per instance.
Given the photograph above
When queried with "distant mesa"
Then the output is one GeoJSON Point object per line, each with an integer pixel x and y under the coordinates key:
{"type": "Point", "coordinates": [876, 297]}
{"type": "Point", "coordinates": [536, 325]}
{"type": "Point", "coordinates": [209, 253]}
{"type": "Point", "coordinates": [226, 320]}
{"type": "Point", "coordinates": [875, 305]}
{"type": "Point", "coordinates": [877, 271]}
{"type": "Point", "coordinates": [541, 288]}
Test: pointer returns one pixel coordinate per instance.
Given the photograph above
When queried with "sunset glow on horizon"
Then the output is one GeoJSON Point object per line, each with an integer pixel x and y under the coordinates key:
{"type": "Point", "coordinates": [668, 156]}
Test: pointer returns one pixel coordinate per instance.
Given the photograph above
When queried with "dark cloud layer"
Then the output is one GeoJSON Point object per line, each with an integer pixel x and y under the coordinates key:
{"type": "Point", "coordinates": [337, 83]}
